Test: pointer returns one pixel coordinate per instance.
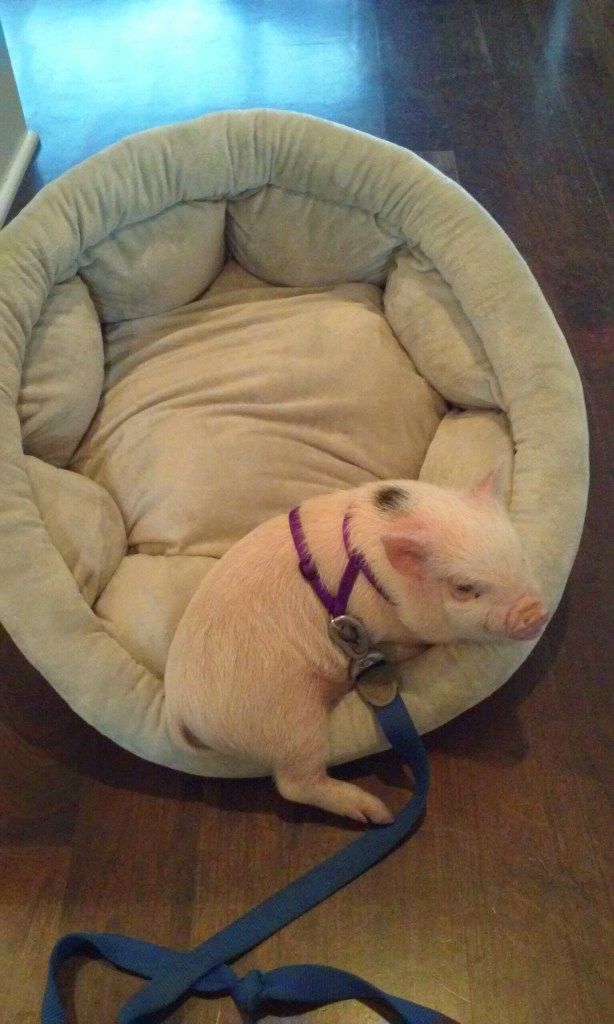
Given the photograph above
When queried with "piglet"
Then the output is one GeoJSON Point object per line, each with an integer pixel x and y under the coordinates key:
{"type": "Point", "coordinates": [252, 670]}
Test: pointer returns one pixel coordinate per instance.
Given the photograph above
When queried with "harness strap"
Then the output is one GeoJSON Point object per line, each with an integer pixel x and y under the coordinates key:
{"type": "Point", "coordinates": [335, 604]}
{"type": "Point", "coordinates": [173, 974]}
{"type": "Point", "coordinates": [363, 565]}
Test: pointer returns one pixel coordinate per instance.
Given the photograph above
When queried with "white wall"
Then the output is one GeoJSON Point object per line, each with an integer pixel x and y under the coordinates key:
{"type": "Point", "coordinates": [17, 144]}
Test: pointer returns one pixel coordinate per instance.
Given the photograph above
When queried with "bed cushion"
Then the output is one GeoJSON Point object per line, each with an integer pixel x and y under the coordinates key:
{"type": "Point", "coordinates": [146, 268]}
{"type": "Point", "coordinates": [222, 413]}
{"type": "Point", "coordinates": [62, 375]}
{"type": "Point", "coordinates": [83, 522]}
{"type": "Point", "coordinates": [344, 243]}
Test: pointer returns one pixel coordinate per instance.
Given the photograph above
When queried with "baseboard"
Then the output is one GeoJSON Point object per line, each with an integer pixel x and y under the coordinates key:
{"type": "Point", "coordinates": [14, 175]}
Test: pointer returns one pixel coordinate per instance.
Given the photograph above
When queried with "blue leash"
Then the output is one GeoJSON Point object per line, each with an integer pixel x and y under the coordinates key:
{"type": "Point", "coordinates": [173, 975]}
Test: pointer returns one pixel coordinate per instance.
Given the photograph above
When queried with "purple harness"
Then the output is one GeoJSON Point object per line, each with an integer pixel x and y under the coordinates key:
{"type": "Point", "coordinates": [357, 563]}
{"type": "Point", "coordinates": [368, 668]}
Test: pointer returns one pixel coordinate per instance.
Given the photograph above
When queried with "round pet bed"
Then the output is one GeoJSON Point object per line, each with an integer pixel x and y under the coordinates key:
{"type": "Point", "coordinates": [207, 323]}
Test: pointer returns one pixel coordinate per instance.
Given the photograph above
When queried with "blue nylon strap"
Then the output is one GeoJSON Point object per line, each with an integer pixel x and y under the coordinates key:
{"type": "Point", "coordinates": [308, 984]}
{"type": "Point", "coordinates": [174, 974]}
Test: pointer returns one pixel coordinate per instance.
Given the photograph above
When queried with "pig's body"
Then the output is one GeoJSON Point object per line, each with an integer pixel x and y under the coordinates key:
{"type": "Point", "coordinates": [251, 669]}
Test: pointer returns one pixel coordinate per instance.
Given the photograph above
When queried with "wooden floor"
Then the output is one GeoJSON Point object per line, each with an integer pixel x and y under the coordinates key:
{"type": "Point", "coordinates": [497, 911]}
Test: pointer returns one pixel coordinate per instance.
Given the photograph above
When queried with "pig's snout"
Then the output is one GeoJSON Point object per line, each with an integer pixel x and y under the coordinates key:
{"type": "Point", "coordinates": [522, 620]}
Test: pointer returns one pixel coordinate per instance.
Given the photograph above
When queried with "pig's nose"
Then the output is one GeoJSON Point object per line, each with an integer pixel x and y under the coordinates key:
{"type": "Point", "coordinates": [526, 619]}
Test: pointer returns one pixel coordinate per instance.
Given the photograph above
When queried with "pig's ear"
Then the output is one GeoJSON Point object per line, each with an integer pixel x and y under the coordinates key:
{"type": "Point", "coordinates": [406, 551]}
{"type": "Point", "coordinates": [490, 487]}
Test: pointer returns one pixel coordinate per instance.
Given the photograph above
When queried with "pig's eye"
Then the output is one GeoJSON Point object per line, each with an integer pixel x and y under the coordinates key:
{"type": "Point", "coordinates": [464, 591]}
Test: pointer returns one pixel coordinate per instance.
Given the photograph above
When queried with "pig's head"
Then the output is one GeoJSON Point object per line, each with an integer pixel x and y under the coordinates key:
{"type": "Point", "coordinates": [458, 566]}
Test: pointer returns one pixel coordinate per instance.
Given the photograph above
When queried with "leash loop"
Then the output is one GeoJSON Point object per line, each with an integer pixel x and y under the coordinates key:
{"type": "Point", "coordinates": [172, 975]}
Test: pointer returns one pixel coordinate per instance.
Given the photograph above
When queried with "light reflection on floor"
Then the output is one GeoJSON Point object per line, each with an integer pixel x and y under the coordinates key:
{"type": "Point", "coordinates": [91, 72]}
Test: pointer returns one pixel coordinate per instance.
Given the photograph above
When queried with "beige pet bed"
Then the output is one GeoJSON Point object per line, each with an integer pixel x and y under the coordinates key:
{"type": "Point", "coordinates": [207, 323]}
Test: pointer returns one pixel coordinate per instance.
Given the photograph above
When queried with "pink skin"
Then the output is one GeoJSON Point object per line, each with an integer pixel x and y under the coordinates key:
{"type": "Point", "coordinates": [251, 670]}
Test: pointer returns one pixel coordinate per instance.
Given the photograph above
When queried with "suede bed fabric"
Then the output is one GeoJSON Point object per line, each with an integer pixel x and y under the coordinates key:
{"type": "Point", "coordinates": [62, 376]}
{"type": "Point", "coordinates": [297, 391]}
{"type": "Point", "coordinates": [223, 399]}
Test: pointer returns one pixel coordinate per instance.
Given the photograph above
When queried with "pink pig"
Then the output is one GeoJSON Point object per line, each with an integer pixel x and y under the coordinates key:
{"type": "Point", "coordinates": [251, 669]}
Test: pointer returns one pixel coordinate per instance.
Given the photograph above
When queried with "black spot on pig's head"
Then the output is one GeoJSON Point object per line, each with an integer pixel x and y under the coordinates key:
{"type": "Point", "coordinates": [391, 499]}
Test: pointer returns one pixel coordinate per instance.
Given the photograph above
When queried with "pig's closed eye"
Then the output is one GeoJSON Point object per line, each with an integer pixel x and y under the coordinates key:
{"type": "Point", "coordinates": [464, 591]}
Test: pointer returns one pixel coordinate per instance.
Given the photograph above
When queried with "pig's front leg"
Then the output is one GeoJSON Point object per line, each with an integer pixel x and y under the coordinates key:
{"type": "Point", "coordinates": [299, 764]}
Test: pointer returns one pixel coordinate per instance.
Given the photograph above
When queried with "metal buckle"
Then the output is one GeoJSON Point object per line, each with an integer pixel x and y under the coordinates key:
{"type": "Point", "coordinates": [368, 663]}
{"type": "Point", "coordinates": [350, 635]}
{"type": "Point", "coordinates": [369, 670]}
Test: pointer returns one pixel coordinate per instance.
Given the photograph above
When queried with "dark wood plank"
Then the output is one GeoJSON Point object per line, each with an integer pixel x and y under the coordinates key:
{"type": "Point", "coordinates": [431, 53]}
{"type": "Point", "coordinates": [32, 882]}
{"type": "Point", "coordinates": [539, 891]}
{"type": "Point", "coordinates": [444, 160]}
{"type": "Point", "coordinates": [132, 871]}
{"type": "Point", "coordinates": [576, 42]}
{"type": "Point", "coordinates": [39, 790]}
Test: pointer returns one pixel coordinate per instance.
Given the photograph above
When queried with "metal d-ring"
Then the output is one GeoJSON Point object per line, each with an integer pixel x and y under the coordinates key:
{"type": "Point", "coordinates": [368, 670]}
{"type": "Point", "coordinates": [350, 634]}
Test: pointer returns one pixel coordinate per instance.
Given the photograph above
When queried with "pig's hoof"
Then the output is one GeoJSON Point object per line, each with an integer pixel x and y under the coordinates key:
{"type": "Point", "coordinates": [368, 808]}
{"type": "Point", "coordinates": [338, 797]}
